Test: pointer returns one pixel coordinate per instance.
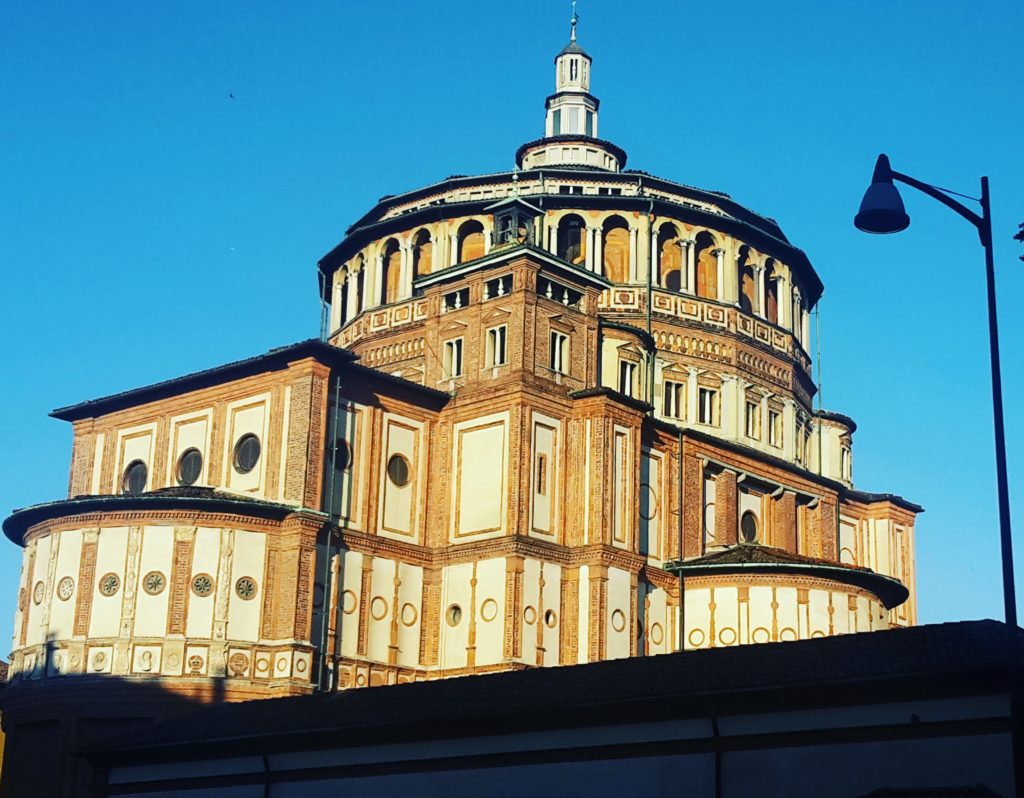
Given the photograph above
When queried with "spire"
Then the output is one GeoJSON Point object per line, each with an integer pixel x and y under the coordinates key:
{"type": "Point", "coordinates": [575, 19]}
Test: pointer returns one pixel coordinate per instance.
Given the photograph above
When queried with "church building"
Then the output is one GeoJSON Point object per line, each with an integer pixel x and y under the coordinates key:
{"type": "Point", "coordinates": [557, 415]}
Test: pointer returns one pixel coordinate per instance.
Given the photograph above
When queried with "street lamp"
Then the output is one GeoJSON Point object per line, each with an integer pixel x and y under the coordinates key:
{"type": "Point", "coordinates": [882, 211]}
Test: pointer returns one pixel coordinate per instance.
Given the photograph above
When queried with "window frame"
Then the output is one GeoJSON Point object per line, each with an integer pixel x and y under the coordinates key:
{"type": "Point", "coordinates": [453, 355]}
{"type": "Point", "coordinates": [496, 335]}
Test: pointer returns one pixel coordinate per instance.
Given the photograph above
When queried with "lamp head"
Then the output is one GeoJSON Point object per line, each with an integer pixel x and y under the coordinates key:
{"type": "Point", "coordinates": [881, 210]}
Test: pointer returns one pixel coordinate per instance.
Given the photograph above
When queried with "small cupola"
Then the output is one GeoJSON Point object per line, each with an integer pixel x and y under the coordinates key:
{"type": "Point", "coordinates": [513, 223]}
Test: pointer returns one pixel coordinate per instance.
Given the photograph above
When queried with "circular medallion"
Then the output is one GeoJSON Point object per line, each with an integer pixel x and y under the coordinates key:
{"type": "Point", "coordinates": [348, 602]}
{"type": "Point", "coordinates": [550, 619]}
{"type": "Point", "coordinates": [245, 587]}
{"type": "Point", "coordinates": [454, 615]}
{"type": "Point", "coordinates": [202, 585]}
{"type": "Point", "coordinates": [409, 614]}
{"type": "Point", "coordinates": [618, 620]}
{"type": "Point", "coordinates": [788, 633]}
{"type": "Point", "coordinates": [657, 634]}
{"type": "Point", "coordinates": [98, 660]}
{"type": "Point", "coordinates": [361, 680]}
{"type": "Point", "coordinates": [37, 592]}
{"type": "Point", "coordinates": [760, 635]}
{"type": "Point", "coordinates": [65, 588]}
{"type": "Point", "coordinates": [195, 663]}
{"type": "Point", "coordinates": [727, 636]}
{"type": "Point", "coordinates": [378, 608]}
{"type": "Point", "coordinates": [262, 665]}
{"type": "Point", "coordinates": [489, 610]}
{"type": "Point", "coordinates": [696, 638]}
{"type": "Point", "coordinates": [173, 660]}
{"type": "Point", "coordinates": [300, 666]}
{"type": "Point", "coordinates": [530, 615]}
{"type": "Point", "coordinates": [282, 664]}
{"type": "Point", "coordinates": [238, 664]}
{"type": "Point", "coordinates": [154, 583]}
{"type": "Point", "coordinates": [109, 583]}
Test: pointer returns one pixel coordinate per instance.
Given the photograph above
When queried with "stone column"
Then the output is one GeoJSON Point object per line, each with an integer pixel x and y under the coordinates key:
{"type": "Point", "coordinates": [352, 299]}
{"type": "Point", "coordinates": [588, 247]}
{"type": "Point", "coordinates": [785, 301]}
{"type": "Point", "coordinates": [720, 256]}
{"type": "Point", "coordinates": [632, 255]}
{"type": "Point", "coordinates": [655, 259]}
{"type": "Point", "coordinates": [336, 304]}
{"type": "Point", "coordinates": [598, 251]}
{"type": "Point", "coordinates": [377, 283]}
{"type": "Point", "coordinates": [691, 267]}
{"type": "Point", "coordinates": [453, 248]}
{"type": "Point", "coordinates": [759, 278]}
{"type": "Point", "coordinates": [407, 259]}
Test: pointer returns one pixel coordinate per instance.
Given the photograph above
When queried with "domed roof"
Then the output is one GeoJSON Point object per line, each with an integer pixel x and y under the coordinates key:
{"type": "Point", "coordinates": [572, 48]}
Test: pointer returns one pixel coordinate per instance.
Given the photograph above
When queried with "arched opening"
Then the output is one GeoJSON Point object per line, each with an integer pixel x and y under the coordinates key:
{"type": "Point", "coordinates": [707, 265]}
{"type": "Point", "coordinates": [572, 243]}
{"type": "Point", "coordinates": [670, 258]}
{"type": "Point", "coordinates": [771, 292]}
{"type": "Point", "coordinates": [343, 289]}
{"type": "Point", "coordinates": [615, 243]}
{"type": "Point", "coordinates": [391, 279]}
{"type": "Point", "coordinates": [471, 241]}
{"type": "Point", "coordinates": [747, 283]}
{"type": "Point", "coordinates": [422, 254]}
{"type": "Point", "coordinates": [360, 288]}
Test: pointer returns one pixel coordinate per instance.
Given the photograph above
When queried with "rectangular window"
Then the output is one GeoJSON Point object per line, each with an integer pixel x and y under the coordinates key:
{"type": "Point", "coordinates": [559, 352]}
{"type": "Point", "coordinates": [573, 67]}
{"type": "Point", "coordinates": [753, 420]}
{"type": "Point", "coordinates": [453, 358]}
{"type": "Point", "coordinates": [674, 405]}
{"type": "Point", "coordinates": [496, 337]}
{"type": "Point", "coordinates": [774, 428]}
{"type": "Point", "coordinates": [590, 123]}
{"type": "Point", "coordinates": [556, 123]}
{"type": "Point", "coordinates": [707, 406]}
{"type": "Point", "coordinates": [845, 463]}
{"type": "Point", "coordinates": [572, 120]}
{"type": "Point", "coordinates": [542, 474]}
{"type": "Point", "coordinates": [627, 377]}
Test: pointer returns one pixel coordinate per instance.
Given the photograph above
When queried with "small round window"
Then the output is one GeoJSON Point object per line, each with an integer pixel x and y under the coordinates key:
{"type": "Point", "coordinates": [134, 480]}
{"type": "Point", "coordinates": [202, 585]}
{"type": "Point", "coordinates": [748, 527]}
{"type": "Point", "coordinates": [454, 615]}
{"type": "Point", "coordinates": [247, 453]}
{"type": "Point", "coordinates": [398, 470]}
{"type": "Point", "coordinates": [190, 466]}
{"type": "Point", "coordinates": [342, 455]}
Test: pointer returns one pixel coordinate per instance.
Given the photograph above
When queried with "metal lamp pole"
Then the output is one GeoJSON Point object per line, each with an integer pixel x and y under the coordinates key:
{"type": "Point", "coordinates": [882, 212]}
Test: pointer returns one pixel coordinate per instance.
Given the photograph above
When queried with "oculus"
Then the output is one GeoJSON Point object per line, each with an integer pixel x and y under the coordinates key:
{"type": "Point", "coordinates": [109, 584]}
{"type": "Point", "coordinates": [65, 588]}
{"type": "Point", "coordinates": [190, 466]}
{"type": "Point", "coordinates": [748, 527]}
{"type": "Point", "coordinates": [154, 583]}
{"type": "Point", "coordinates": [454, 615]}
{"type": "Point", "coordinates": [134, 480]}
{"type": "Point", "coordinates": [247, 453]}
{"type": "Point", "coordinates": [245, 587]}
{"type": "Point", "coordinates": [202, 585]}
{"type": "Point", "coordinates": [398, 470]}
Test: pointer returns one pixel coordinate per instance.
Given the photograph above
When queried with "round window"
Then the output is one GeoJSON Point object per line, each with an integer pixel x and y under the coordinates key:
{"type": "Point", "coordinates": [202, 585]}
{"type": "Point", "coordinates": [190, 466]}
{"type": "Point", "coordinates": [246, 588]}
{"type": "Point", "coordinates": [398, 470]}
{"type": "Point", "coordinates": [134, 480]}
{"type": "Point", "coordinates": [454, 615]}
{"type": "Point", "coordinates": [154, 583]}
{"type": "Point", "coordinates": [109, 583]}
{"type": "Point", "coordinates": [247, 453]}
{"type": "Point", "coordinates": [342, 455]}
{"type": "Point", "coordinates": [748, 527]}
{"type": "Point", "coordinates": [550, 619]}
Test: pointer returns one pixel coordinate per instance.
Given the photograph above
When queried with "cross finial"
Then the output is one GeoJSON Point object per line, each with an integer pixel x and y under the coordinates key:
{"type": "Point", "coordinates": [575, 19]}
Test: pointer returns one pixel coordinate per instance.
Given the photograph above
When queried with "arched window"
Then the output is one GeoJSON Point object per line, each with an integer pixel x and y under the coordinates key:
{"type": "Point", "coordinates": [670, 258]}
{"type": "Point", "coordinates": [360, 287]}
{"type": "Point", "coordinates": [422, 254]}
{"type": "Point", "coordinates": [572, 243]}
{"type": "Point", "coordinates": [471, 241]}
{"type": "Point", "coordinates": [771, 292]}
{"type": "Point", "coordinates": [707, 265]}
{"type": "Point", "coordinates": [343, 289]}
{"type": "Point", "coordinates": [748, 287]}
{"type": "Point", "coordinates": [391, 280]}
{"type": "Point", "coordinates": [615, 244]}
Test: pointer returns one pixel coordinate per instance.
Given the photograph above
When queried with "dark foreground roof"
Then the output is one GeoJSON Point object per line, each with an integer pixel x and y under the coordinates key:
{"type": "Point", "coordinates": [965, 658]}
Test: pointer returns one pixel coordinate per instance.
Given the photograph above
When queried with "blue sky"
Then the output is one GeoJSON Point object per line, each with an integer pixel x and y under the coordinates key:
{"type": "Point", "coordinates": [150, 225]}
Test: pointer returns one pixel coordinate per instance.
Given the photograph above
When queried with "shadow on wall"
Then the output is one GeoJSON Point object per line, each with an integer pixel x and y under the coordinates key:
{"type": "Point", "coordinates": [47, 720]}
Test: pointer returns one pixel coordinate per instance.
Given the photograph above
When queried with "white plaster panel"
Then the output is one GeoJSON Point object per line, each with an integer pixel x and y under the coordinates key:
{"type": "Point", "coordinates": [455, 590]}
{"type": "Point", "coordinates": [619, 600]}
{"type": "Point", "coordinates": [490, 587]}
{"type": "Point", "coordinates": [111, 553]}
{"type": "Point", "coordinates": [36, 632]}
{"type": "Point", "coordinates": [787, 612]}
{"type": "Point", "coordinates": [847, 541]}
{"type": "Point", "coordinates": [818, 603]}
{"type": "Point", "coordinates": [350, 489]}
{"type": "Point", "coordinates": [621, 482]}
{"type": "Point", "coordinates": [727, 618]}
{"type": "Point", "coordinates": [205, 560]}
{"type": "Point", "coordinates": [658, 628]}
{"type": "Point", "coordinates": [410, 599]}
{"type": "Point", "coordinates": [544, 477]}
{"type": "Point", "coordinates": [187, 432]}
{"type": "Point", "coordinates": [650, 505]}
{"type": "Point", "coordinates": [382, 590]}
{"type": "Point", "coordinates": [480, 464]}
{"type": "Point", "coordinates": [583, 616]}
{"type": "Point", "coordinates": [133, 444]}
{"type": "Point", "coordinates": [531, 599]}
{"type": "Point", "coordinates": [156, 555]}
{"type": "Point", "coordinates": [62, 612]}
{"type": "Point", "coordinates": [399, 505]}
{"type": "Point", "coordinates": [351, 601]}
{"type": "Point", "coordinates": [247, 559]}
{"type": "Point", "coordinates": [552, 600]}
{"type": "Point", "coordinates": [246, 416]}
{"type": "Point", "coordinates": [751, 502]}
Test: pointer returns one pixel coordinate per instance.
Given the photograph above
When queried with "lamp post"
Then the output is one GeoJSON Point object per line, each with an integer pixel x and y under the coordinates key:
{"type": "Point", "coordinates": [882, 211]}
